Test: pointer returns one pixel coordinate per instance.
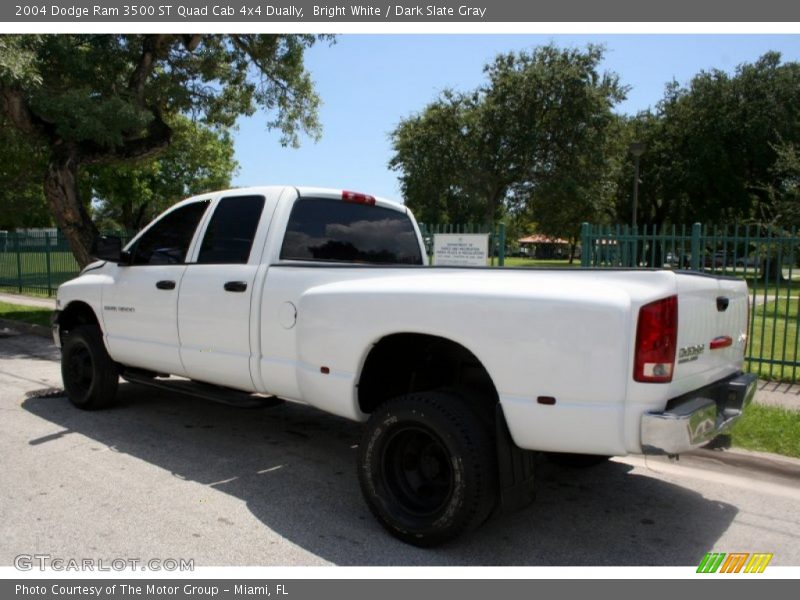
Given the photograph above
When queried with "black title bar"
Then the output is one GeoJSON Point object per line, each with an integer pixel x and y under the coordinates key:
{"type": "Point", "coordinates": [441, 11]}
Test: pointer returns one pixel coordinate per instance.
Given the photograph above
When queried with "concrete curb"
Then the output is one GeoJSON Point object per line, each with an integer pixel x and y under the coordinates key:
{"type": "Point", "coordinates": [25, 328]}
{"type": "Point", "coordinates": [761, 462]}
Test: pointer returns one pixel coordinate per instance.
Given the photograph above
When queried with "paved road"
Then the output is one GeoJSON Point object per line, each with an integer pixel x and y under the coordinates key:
{"type": "Point", "coordinates": [164, 476]}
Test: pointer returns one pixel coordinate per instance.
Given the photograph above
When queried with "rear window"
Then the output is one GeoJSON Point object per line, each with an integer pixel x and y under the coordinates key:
{"type": "Point", "coordinates": [322, 229]}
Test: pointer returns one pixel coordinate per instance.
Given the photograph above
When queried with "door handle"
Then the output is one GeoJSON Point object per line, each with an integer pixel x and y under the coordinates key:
{"type": "Point", "coordinates": [235, 286]}
{"type": "Point", "coordinates": [165, 284]}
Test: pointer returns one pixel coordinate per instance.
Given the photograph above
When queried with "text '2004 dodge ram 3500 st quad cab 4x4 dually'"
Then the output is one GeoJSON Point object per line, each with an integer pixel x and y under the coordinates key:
{"type": "Point", "coordinates": [322, 297]}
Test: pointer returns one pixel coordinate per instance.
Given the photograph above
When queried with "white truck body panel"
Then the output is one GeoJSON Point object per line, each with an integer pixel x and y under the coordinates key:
{"type": "Point", "coordinates": [304, 329]}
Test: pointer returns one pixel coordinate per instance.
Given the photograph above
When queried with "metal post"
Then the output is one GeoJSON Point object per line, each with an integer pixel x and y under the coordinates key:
{"type": "Point", "coordinates": [47, 258]}
{"type": "Point", "coordinates": [501, 252]}
{"type": "Point", "coordinates": [19, 261]}
{"type": "Point", "coordinates": [635, 191]}
{"type": "Point", "coordinates": [637, 149]}
{"type": "Point", "coordinates": [585, 249]}
{"type": "Point", "coordinates": [696, 229]}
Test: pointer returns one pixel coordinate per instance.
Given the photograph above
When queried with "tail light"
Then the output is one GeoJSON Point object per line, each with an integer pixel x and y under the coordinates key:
{"type": "Point", "coordinates": [656, 341]}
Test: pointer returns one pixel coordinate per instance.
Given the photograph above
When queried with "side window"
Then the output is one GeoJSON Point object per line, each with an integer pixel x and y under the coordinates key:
{"type": "Point", "coordinates": [167, 241]}
{"type": "Point", "coordinates": [229, 236]}
{"type": "Point", "coordinates": [333, 230]}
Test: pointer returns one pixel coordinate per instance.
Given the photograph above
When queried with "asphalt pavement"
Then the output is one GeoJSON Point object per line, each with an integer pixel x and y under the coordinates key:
{"type": "Point", "coordinates": [165, 476]}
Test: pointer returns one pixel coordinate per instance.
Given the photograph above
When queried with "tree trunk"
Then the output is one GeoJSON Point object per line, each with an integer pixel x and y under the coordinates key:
{"type": "Point", "coordinates": [488, 216]}
{"type": "Point", "coordinates": [772, 273]}
{"type": "Point", "coordinates": [63, 196]}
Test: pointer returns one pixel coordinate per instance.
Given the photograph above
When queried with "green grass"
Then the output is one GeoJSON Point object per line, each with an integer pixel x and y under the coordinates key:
{"type": "Point", "coordinates": [772, 289]}
{"type": "Point", "coordinates": [768, 429]}
{"type": "Point", "coordinates": [26, 314]}
{"type": "Point", "coordinates": [533, 262]}
{"type": "Point", "coordinates": [773, 336]}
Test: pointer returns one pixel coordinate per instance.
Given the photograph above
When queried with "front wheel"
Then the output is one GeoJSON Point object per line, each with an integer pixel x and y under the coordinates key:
{"type": "Point", "coordinates": [427, 467]}
{"type": "Point", "coordinates": [90, 376]}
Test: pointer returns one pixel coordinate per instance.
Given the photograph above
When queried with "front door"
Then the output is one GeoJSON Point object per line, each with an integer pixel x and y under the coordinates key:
{"type": "Point", "coordinates": [140, 307]}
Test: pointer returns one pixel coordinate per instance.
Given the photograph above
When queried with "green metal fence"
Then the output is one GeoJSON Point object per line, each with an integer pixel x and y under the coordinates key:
{"type": "Point", "coordinates": [765, 256]}
{"type": "Point", "coordinates": [497, 237]}
{"type": "Point", "coordinates": [35, 262]}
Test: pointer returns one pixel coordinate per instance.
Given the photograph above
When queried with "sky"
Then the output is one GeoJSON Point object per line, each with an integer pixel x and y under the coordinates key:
{"type": "Point", "coordinates": [368, 83]}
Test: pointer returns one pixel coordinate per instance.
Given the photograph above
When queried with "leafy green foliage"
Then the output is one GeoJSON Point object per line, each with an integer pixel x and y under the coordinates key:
{"type": "Point", "coordinates": [784, 190]}
{"type": "Point", "coordinates": [22, 163]}
{"type": "Point", "coordinates": [199, 159]}
{"type": "Point", "coordinates": [531, 140]}
{"type": "Point", "coordinates": [721, 148]}
{"type": "Point", "coordinates": [91, 100]}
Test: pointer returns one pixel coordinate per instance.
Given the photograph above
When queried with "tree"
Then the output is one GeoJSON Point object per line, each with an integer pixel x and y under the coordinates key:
{"type": "Point", "coordinates": [784, 208]}
{"type": "Point", "coordinates": [198, 159]}
{"type": "Point", "coordinates": [22, 202]}
{"type": "Point", "coordinates": [581, 189]}
{"type": "Point", "coordinates": [103, 99]}
{"type": "Point", "coordinates": [714, 146]}
{"type": "Point", "coordinates": [540, 116]}
{"type": "Point", "coordinates": [432, 151]}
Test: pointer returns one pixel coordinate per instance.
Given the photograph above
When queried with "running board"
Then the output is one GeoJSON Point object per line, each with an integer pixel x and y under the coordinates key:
{"type": "Point", "coordinates": [206, 391]}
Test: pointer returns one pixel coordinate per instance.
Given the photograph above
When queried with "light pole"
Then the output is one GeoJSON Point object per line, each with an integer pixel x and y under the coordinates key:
{"type": "Point", "coordinates": [637, 149]}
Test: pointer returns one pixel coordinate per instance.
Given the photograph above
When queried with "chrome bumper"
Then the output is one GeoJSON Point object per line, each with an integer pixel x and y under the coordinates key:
{"type": "Point", "coordinates": [698, 418]}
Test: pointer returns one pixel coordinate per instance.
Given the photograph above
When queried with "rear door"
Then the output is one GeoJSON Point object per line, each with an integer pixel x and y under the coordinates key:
{"type": "Point", "coordinates": [214, 305]}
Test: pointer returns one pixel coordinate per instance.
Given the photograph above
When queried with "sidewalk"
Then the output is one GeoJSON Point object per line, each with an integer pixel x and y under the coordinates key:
{"type": "Point", "coordinates": [28, 300]}
{"type": "Point", "coordinates": [774, 393]}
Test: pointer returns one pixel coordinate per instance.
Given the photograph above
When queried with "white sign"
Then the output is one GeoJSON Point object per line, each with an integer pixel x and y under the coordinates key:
{"type": "Point", "coordinates": [461, 249]}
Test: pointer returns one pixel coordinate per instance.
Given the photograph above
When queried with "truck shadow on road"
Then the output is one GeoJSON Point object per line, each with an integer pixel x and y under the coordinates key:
{"type": "Point", "coordinates": [295, 469]}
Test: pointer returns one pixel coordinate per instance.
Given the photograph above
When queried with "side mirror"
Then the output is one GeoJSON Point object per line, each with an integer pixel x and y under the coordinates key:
{"type": "Point", "coordinates": [109, 247]}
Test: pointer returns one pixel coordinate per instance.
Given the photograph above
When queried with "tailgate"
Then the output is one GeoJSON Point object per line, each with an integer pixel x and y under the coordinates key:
{"type": "Point", "coordinates": [712, 329]}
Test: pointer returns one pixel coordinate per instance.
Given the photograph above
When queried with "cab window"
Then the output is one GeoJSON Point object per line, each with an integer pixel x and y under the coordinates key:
{"type": "Point", "coordinates": [230, 233]}
{"type": "Point", "coordinates": [167, 241]}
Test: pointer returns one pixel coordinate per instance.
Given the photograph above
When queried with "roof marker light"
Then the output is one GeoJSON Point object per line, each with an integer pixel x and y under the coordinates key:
{"type": "Point", "coordinates": [358, 198]}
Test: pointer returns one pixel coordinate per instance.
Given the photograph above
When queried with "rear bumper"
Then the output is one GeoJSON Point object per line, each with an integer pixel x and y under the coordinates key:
{"type": "Point", "coordinates": [696, 419]}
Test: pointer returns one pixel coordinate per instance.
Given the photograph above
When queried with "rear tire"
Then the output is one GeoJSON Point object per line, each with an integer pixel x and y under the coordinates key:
{"type": "Point", "coordinates": [90, 376]}
{"type": "Point", "coordinates": [428, 468]}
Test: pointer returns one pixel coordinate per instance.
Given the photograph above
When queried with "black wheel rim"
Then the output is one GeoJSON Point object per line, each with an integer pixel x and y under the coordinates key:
{"type": "Point", "coordinates": [80, 370]}
{"type": "Point", "coordinates": [417, 470]}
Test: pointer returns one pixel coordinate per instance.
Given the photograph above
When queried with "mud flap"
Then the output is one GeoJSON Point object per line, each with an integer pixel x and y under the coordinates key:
{"type": "Point", "coordinates": [516, 468]}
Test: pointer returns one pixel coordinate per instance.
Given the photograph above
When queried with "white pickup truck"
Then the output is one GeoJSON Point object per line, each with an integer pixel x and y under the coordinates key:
{"type": "Point", "coordinates": [322, 297]}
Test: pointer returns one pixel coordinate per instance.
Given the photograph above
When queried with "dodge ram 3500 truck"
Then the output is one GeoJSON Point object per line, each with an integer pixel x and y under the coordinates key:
{"type": "Point", "coordinates": [322, 297]}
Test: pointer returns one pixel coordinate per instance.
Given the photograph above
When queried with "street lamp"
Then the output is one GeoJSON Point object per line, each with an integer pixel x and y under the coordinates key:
{"type": "Point", "coordinates": [637, 149]}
